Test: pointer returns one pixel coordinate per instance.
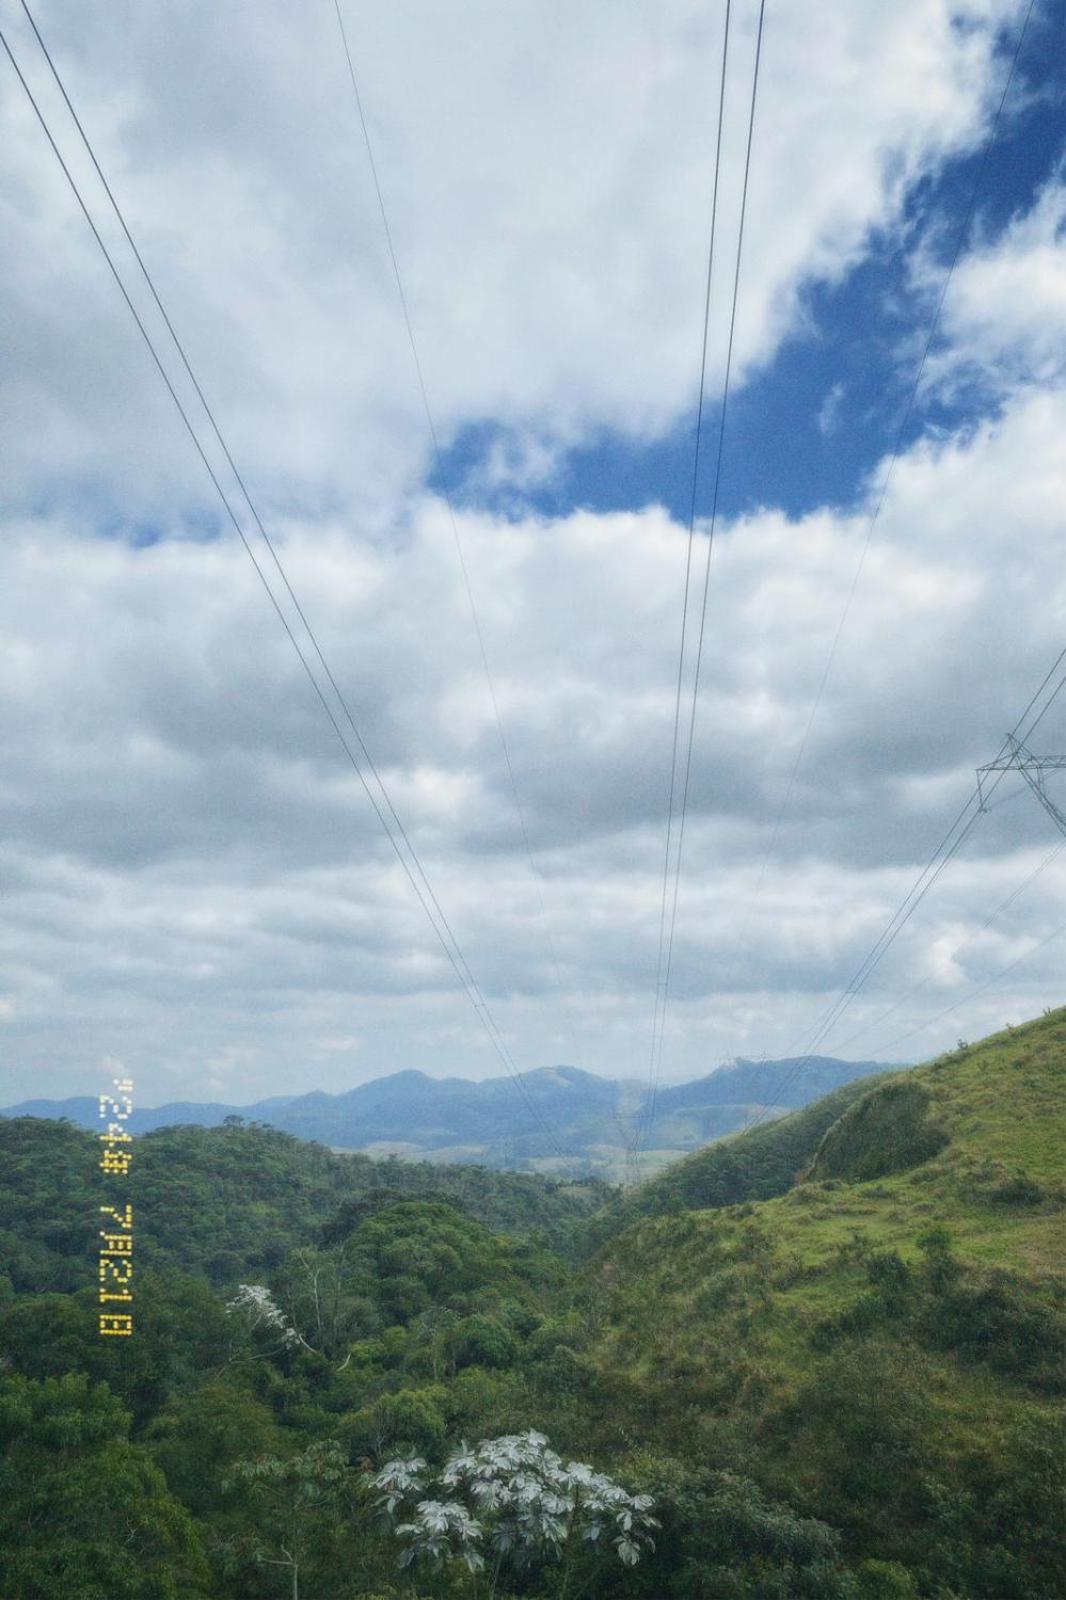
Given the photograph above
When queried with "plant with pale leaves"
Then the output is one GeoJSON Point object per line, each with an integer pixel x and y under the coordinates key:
{"type": "Point", "coordinates": [399, 1481]}
{"type": "Point", "coordinates": [512, 1501]}
{"type": "Point", "coordinates": [257, 1305]}
{"type": "Point", "coordinates": [442, 1529]}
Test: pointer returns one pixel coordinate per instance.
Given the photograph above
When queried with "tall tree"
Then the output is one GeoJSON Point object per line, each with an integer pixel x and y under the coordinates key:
{"type": "Point", "coordinates": [85, 1513]}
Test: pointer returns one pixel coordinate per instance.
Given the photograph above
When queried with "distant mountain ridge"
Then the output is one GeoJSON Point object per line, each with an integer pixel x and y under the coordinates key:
{"type": "Point", "coordinates": [489, 1121]}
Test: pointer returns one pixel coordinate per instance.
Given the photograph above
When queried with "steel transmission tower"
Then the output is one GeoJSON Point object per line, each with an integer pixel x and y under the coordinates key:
{"type": "Point", "coordinates": [1018, 758]}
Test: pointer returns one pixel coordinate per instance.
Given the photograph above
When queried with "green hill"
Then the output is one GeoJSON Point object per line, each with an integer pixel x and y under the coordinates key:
{"type": "Point", "coordinates": [756, 1165]}
{"type": "Point", "coordinates": [883, 1343]}
{"type": "Point", "coordinates": [232, 1201]}
{"type": "Point", "coordinates": [830, 1350]}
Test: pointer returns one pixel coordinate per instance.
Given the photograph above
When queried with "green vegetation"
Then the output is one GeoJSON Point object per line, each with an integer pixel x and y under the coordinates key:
{"type": "Point", "coordinates": [883, 1342]}
{"type": "Point", "coordinates": [232, 1201]}
{"type": "Point", "coordinates": [825, 1357]}
{"type": "Point", "coordinates": [750, 1166]}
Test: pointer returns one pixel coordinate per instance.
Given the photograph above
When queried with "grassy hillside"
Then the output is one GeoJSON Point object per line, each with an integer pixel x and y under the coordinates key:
{"type": "Point", "coordinates": [884, 1341]}
{"type": "Point", "coordinates": [748, 1166]}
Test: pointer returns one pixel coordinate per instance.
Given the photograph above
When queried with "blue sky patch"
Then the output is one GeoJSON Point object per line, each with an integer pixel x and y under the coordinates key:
{"type": "Point", "coordinates": [808, 430]}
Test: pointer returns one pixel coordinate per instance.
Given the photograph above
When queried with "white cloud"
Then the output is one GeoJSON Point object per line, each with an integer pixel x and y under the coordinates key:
{"type": "Point", "coordinates": [548, 190]}
{"type": "Point", "coordinates": [1006, 314]}
{"type": "Point", "coordinates": [829, 412]}
{"type": "Point", "coordinates": [194, 879]}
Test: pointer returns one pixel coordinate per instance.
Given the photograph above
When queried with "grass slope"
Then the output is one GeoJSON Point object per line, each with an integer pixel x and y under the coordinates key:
{"type": "Point", "coordinates": [915, 1274]}
{"type": "Point", "coordinates": [745, 1166]}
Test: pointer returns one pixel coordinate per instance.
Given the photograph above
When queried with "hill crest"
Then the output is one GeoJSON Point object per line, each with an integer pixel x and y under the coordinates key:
{"type": "Point", "coordinates": [411, 1114]}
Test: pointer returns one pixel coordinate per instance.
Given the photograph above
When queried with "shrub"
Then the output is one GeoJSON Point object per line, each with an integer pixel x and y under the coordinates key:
{"type": "Point", "coordinates": [408, 1417]}
{"type": "Point", "coordinates": [884, 1580]}
{"type": "Point", "coordinates": [1019, 1190]}
{"type": "Point", "coordinates": [737, 1543]}
{"type": "Point", "coordinates": [481, 1341]}
{"type": "Point", "coordinates": [888, 1130]}
{"type": "Point", "coordinates": [888, 1272]}
{"type": "Point", "coordinates": [996, 1322]}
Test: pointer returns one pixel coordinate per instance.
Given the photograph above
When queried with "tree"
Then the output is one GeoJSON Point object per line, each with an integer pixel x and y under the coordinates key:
{"type": "Point", "coordinates": [512, 1502]}
{"type": "Point", "coordinates": [198, 1436]}
{"type": "Point", "coordinates": [736, 1544]}
{"type": "Point", "coordinates": [83, 1512]}
{"type": "Point", "coordinates": [255, 1307]}
{"type": "Point", "coordinates": [294, 1502]}
{"type": "Point", "coordinates": [480, 1341]}
{"type": "Point", "coordinates": [409, 1418]}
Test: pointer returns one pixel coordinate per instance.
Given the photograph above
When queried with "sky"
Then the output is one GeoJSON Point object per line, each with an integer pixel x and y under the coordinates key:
{"type": "Point", "coordinates": [193, 885]}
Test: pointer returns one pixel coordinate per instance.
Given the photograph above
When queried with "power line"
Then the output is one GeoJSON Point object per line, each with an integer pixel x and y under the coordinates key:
{"type": "Point", "coordinates": [209, 413]}
{"type": "Point", "coordinates": [896, 449]}
{"type": "Point", "coordinates": [980, 988]}
{"type": "Point", "coordinates": [1013, 761]}
{"type": "Point", "coordinates": [663, 985]}
{"type": "Point", "coordinates": [412, 868]}
{"type": "Point", "coordinates": [1004, 905]}
{"type": "Point", "coordinates": [438, 457]}
{"type": "Point", "coordinates": [946, 850]}
{"type": "Point", "coordinates": [689, 546]}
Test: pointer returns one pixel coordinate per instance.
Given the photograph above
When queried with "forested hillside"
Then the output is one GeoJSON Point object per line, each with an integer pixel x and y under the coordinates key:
{"type": "Point", "coordinates": [226, 1202]}
{"type": "Point", "coordinates": [824, 1359]}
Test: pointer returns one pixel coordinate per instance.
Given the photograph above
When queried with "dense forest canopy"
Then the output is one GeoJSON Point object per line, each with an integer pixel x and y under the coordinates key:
{"type": "Point", "coordinates": [821, 1359]}
{"type": "Point", "coordinates": [229, 1201]}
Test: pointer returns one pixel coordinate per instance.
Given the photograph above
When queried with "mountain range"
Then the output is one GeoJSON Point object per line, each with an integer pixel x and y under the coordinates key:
{"type": "Point", "coordinates": [553, 1119]}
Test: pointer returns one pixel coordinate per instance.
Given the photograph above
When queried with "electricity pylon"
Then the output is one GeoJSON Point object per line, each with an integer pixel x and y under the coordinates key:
{"type": "Point", "coordinates": [1019, 758]}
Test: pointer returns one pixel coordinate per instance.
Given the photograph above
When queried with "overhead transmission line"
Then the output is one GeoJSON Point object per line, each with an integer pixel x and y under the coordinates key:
{"type": "Point", "coordinates": [897, 447]}
{"type": "Point", "coordinates": [1003, 905]}
{"type": "Point", "coordinates": [689, 549]}
{"type": "Point", "coordinates": [987, 983]}
{"type": "Point", "coordinates": [946, 850]}
{"type": "Point", "coordinates": [380, 800]}
{"type": "Point", "coordinates": [445, 495]}
{"type": "Point", "coordinates": [1018, 758]}
{"type": "Point", "coordinates": [668, 917]}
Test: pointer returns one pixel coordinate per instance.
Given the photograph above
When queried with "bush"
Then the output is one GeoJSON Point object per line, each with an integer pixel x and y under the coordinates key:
{"type": "Point", "coordinates": [481, 1341]}
{"type": "Point", "coordinates": [862, 1428]}
{"type": "Point", "coordinates": [997, 1322]}
{"type": "Point", "coordinates": [884, 1580]}
{"type": "Point", "coordinates": [1019, 1190]}
{"type": "Point", "coordinates": [888, 1130]}
{"type": "Point", "coordinates": [408, 1417]}
{"type": "Point", "coordinates": [888, 1272]}
{"type": "Point", "coordinates": [736, 1544]}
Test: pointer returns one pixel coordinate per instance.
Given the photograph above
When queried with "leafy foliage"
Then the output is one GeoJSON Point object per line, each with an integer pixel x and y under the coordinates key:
{"type": "Point", "coordinates": [887, 1130]}
{"type": "Point", "coordinates": [512, 1501]}
{"type": "Point", "coordinates": [292, 1505]}
{"type": "Point", "coordinates": [230, 1203]}
{"type": "Point", "coordinates": [84, 1512]}
{"type": "Point", "coordinates": [848, 1389]}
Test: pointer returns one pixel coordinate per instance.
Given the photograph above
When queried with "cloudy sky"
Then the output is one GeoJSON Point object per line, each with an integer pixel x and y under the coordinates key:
{"type": "Point", "coordinates": [193, 881]}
